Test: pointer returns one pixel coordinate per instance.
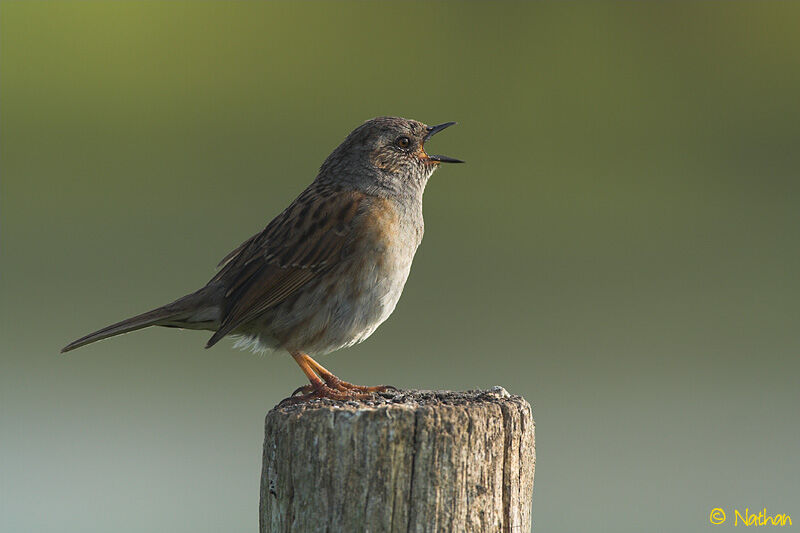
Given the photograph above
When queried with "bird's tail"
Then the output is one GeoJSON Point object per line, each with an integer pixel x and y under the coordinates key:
{"type": "Point", "coordinates": [194, 311]}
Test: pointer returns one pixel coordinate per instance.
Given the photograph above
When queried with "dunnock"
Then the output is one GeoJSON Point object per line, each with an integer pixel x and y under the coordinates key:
{"type": "Point", "coordinates": [327, 271]}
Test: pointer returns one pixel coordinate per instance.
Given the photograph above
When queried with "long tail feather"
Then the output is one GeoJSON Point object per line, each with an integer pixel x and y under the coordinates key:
{"type": "Point", "coordinates": [176, 314]}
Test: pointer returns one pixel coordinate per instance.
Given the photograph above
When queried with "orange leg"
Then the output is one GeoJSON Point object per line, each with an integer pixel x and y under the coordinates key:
{"type": "Point", "coordinates": [325, 385]}
{"type": "Point", "coordinates": [339, 384]}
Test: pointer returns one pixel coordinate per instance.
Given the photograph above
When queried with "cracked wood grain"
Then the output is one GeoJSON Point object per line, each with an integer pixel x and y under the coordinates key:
{"type": "Point", "coordinates": [412, 461]}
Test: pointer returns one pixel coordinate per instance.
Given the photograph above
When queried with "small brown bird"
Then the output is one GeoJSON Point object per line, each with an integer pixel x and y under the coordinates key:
{"type": "Point", "coordinates": [327, 271]}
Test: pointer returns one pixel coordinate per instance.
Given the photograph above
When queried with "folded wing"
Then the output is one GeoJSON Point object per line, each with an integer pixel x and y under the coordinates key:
{"type": "Point", "coordinates": [311, 236]}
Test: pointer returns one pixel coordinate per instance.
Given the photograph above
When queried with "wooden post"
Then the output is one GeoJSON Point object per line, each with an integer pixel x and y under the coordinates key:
{"type": "Point", "coordinates": [410, 461]}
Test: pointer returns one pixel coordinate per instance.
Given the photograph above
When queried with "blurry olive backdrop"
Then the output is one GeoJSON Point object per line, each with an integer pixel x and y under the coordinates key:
{"type": "Point", "coordinates": [621, 247]}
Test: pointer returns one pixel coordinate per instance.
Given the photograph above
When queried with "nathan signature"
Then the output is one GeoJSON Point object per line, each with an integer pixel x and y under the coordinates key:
{"type": "Point", "coordinates": [747, 519]}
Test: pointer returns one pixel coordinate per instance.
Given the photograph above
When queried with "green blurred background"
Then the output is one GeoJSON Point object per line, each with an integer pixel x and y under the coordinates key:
{"type": "Point", "coordinates": [621, 248]}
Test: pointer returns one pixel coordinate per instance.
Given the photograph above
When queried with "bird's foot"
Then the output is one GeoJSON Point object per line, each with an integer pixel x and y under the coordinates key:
{"type": "Point", "coordinates": [342, 385]}
{"type": "Point", "coordinates": [323, 391]}
{"type": "Point", "coordinates": [326, 385]}
{"type": "Point", "coordinates": [334, 390]}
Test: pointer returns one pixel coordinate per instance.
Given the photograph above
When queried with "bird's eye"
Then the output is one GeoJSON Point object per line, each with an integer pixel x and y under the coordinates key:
{"type": "Point", "coordinates": [403, 142]}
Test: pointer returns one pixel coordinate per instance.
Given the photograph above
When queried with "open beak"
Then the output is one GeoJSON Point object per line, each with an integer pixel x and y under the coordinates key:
{"type": "Point", "coordinates": [433, 130]}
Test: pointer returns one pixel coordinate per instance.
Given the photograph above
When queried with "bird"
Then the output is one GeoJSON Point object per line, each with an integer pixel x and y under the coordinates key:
{"type": "Point", "coordinates": [325, 272]}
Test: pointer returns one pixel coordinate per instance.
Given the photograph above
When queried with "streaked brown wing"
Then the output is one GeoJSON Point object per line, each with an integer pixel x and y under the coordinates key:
{"type": "Point", "coordinates": [307, 239]}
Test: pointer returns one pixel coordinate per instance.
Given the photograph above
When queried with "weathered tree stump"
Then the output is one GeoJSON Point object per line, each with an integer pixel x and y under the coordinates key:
{"type": "Point", "coordinates": [409, 461]}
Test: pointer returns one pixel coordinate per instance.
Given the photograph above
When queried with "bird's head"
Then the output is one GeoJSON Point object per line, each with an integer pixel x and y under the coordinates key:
{"type": "Point", "coordinates": [387, 152]}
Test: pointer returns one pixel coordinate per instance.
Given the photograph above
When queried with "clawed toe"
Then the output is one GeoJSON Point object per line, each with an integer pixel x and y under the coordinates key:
{"type": "Point", "coordinates": [311, 392]}
{"type": "Point", "coordinates": [377, 388]}
{"type": "Point", "coordinates": [326, 385]}
{"type": "Point", "coordinates": [340, 385]}
{"type": "Point", "coordinates": [305, 389]}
